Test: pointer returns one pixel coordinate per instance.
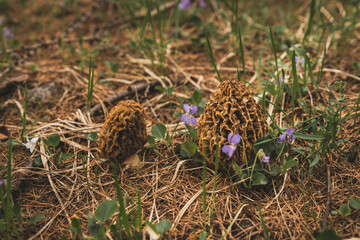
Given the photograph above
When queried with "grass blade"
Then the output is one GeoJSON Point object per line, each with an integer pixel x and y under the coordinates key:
{"type": "Point", "coordinates": [215, 177]}
{"type": "Point", "coordinates": [263, 224]}
{"type": "Point", "coordinates": [211, 56]}
{"type": "Point", "coordinates": [242, 53]}
{"type": "Point", "coordinates": [134, 19]}
{"type": "Point", "coordinates": [294, 87]}
{"type": "Point", "coordinates": [204, 190]}
{"type": "Point", "coordinates": [23, 131]}
{"type": "Point", "coordinates": [123, 217]}
{"type": "Point", "coordinates": [321, 68]}
{"type": "Point", "coordinates": [274, 51]}
{"type": "Point", "coordinates": [311, 19]}
{"type": "Point", "coordinates": [90, 86]}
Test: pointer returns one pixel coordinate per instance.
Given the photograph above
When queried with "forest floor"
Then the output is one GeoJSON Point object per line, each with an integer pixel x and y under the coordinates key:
{"type": "Point", "coordinates": [46, 51]}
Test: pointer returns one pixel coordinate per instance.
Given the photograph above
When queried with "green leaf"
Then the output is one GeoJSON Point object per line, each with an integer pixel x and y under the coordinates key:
{"type": "Point", "coordinates": [270, 87]}
{"type": "Point", "coordinates": [75, 225]}
{"type": "Point", "coordinates": [159, 88]}
{"type": "Point", "coordinates": [92, 136]}
{"type": "Point", "coordinates": [151, 225]}
{"type": "Point", "coordinates": [345, 210]}
{"type": "Point", "coordinates": [196, 97]}
{"type": "Point", "coordinates": [316, 160]}
{"type": "Point", "coordinates": [192, 131]}
{"type": "Point", "coordinates": [37, 162]}
{"type": "Point", "coordinates": [169, 91]}
{"type": "Point", "coordinates": [266, 141]}
{"type": "Point", "coordinates": [334, 212]}
{"type": "Point", "coordinates": [178, 114]}
{"type": "Point", "coordinates": [183, 133]}
{"type": "Point", "coordinates": [66, 156]}
{"type": "Point", "coordinates": [203, 236]}
{"type": "Point", "coordinates": [237, 169]}
{"type": "Point", "coordinates": [132, 44]}
{"type": "Point", "coordinates": [96, 229]}
{"type": "Point", "coordinates": [158, 131]}
{"type": "Point", "coordinates": [314, 216]}
{"type": "Point", "coordinates": [106, 210]}
{"type": "Point", "coordinates": [151, 141]}
{"type": "Point", "coordinates": [36, 218]}
{"type": "Point", "coordinates": [289, 164]}
{"type": "Point", "coordinates": [17, 211]}
{"type": "Point", "coordinates": [168, 139]}
{"type": "Point", "coordinates": [184, 154]}
{"type": "Point", "coordinates": [201, 106]}
{"type": "Point", "coordinates": [355, 202]}
{"type": "Point", "coordinates": [189, 147]}
{"type": "Point", "coordinates": [108, 63]}
{"type": "Point", "coordinates": [186, 89]}
{"type": "Point", "coordinates": [53, 140]}
{"type": "Point", "coordinates": [152, 230]}
{"type": "Point", "coordinates": [259, 179]}
{"type": "Point", "coordinates": [307, 137]}
{"type": "Point", "coordinates": [275, 170]}
{"type": "Point", "coordinates": [14, 142]}
{"type": "Point", "coordinates": [328, 234]}
{"type": "Point", "coordinates": [163, 226]}
{"type": "Point", "coordinates": [114, 67]}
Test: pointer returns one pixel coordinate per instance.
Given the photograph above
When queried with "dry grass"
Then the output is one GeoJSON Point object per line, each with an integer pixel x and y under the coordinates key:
{"type": "Point", "coordinates": [293, 205]}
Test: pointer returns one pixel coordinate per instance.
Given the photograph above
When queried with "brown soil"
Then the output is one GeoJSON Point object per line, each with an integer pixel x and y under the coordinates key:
{"type": "Point", "coordinates": [293, 205]}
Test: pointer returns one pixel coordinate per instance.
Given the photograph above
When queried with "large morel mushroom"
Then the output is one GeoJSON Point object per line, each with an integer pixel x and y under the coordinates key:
{"type": "Point", "coordinates": [124, 131]}
{"type": "Point", "coordinates": [231, 109]}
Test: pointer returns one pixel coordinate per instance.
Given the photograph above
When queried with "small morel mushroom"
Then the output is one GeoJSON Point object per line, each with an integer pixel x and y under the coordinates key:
{"type": "Point", "coordinates": [230, 110]}
{"type": "Point", "coordinates": [124, 131]}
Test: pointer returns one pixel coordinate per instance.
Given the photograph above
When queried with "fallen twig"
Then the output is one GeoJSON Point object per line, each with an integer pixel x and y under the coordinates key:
{"type": "Point", "coordinates": [124, 93]}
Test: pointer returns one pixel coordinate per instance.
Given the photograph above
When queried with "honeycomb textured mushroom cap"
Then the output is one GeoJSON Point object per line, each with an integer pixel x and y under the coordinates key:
{"type": "Point", "coordinates": [124, 131]}
{"type": "Point", "coordinates": [231, 109]}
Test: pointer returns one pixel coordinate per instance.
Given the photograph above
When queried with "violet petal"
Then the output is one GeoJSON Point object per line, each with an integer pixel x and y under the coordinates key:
{"type": "Point", "coordinates": [265, 159]}
{"type": "Point", "coordinates": [229, 137]}
{"type": "Point", "coordinates": [186, 107]}
{"type": "Point", "coordinates": [186, 119]}
{"type": "Point", "coordinates": [194, 109]}
{"type": "Point", "coordinates": [290, 131]}
{"type": "Point", "coordinates": [281, 138]}
{"type": "Point", "coordinates": [184, 4]}
{"type": "Point", "coordinates": [202, 4]}
{"type": "Point", "coordinates": [235, 139]}
{"type": "Point", "coordinates": [193, 120]}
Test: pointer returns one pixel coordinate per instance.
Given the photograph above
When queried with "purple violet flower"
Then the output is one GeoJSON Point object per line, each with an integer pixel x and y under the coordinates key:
{"type": "Point", "coordinates": [233, 140]}
{"type": "Point", "coordinates": [281, 79]}
{"type": "Point", "coordinates": [8, 33]}
{"type": "Point", "coordinates": [184, 4]}
{"type": "Point", "coordinates": [202, 4]}
{"type": "Point", "coordinates": [188, 117]}
{"type": "Point", "coordinates": [299, 62]}
{"type": "Point", "coordinates": [287, 136]}
{"type": "Point", "coordinates": [264, 159]}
